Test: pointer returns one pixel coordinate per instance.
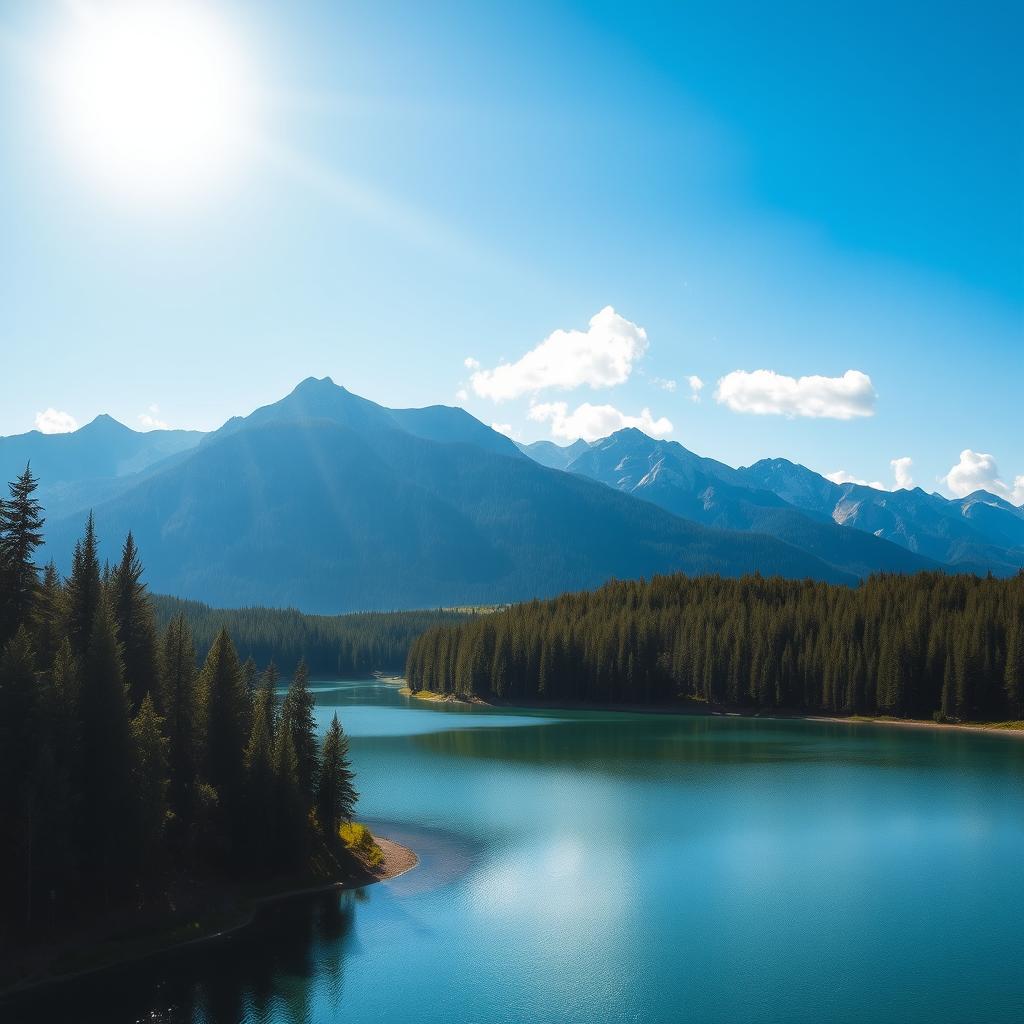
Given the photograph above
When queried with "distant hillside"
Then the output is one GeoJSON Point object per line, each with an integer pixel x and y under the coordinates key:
{"type": "Point", "coordinates": [333, 645]}
{"type": "Point", "coordinates": [328, 502]}
{"type": "Point", "coordinates": [91, 464]}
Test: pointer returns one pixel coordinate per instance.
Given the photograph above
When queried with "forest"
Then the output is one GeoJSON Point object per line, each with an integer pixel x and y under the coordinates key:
{"type": "Point", "coordinates": [127, 763]}
{"type": "Point", "coordinates": [338, 646]}
{"type": "Point", "coordinates": [930, 645]}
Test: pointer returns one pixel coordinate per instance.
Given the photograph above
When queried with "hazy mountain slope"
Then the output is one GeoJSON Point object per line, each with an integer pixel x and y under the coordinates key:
{"type": "Point", "coordinates": [320, 399]}
{"type": "Point", "coordinates": [91, 464]}
{"type": "Point", "coordinates": [332, 517]}
{"type": "Point", "coordinates": [552, 455]}
{"type": "Point", "coordinates": [709, 492]}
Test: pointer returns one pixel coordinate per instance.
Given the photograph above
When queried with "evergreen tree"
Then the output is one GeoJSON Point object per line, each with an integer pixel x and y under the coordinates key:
{"type": "Point", "coordinates": [287, 800]}
{"type": "Point", "coordinates": [136, 625]}
{"type": "Point", "coordinates": [178, 699]}
{"type": "Point", "coordinates": [149, 780]}
{"type": "Point", "coordinates": [20, 739]}
{"type": "Point", "coordinates": [297, 716]}
{"type": "Point", "coordinates": [225, 711]}
{"type": "Point", "coordinates": [107, 756]}
{"type": "Point", "coordinates": [1013, 674]}
{"type": "Point", "coordinates": [336, 793]}
{"type": "Point", "coordinates": [21, 522]}
{"type": "Point", "coordinates": [83, 590]}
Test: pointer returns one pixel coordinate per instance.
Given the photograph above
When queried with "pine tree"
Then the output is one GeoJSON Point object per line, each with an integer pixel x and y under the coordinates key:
{"type": "Point", "coordinates": [21, 522]}
{"type": "Point", "coordinates": [178, 699]}
{"type": "Point", "coordinates": [336, 794]}
{"type": "Point", "coordinates": [136, 626]}
{"type": "Point", "coordinates": [149, 780]}
{"type": "Point", "coordinates": [20, 739]}
{"type": "Point", "coordinates": [1013, 673]}
{"type": "Point", "coordinates": [260, 778]}
{"type": "Point", "coordinates": [107, 761]}
{"type": "Point", "coordinates": [297, 716]}
{"type": "Point", "coordinates": [287, 798]}
{"type": "Point", "coordinates": [224, 708]}
{"type": "Point", "coordinates": [83, 590]}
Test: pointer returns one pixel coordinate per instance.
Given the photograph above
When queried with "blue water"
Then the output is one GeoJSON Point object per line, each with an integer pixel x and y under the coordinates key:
{"type": "Point", "coordinates": [593, 866]}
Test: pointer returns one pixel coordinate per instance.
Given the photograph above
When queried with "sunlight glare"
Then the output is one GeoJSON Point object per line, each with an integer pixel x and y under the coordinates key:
{"type": "Point", "coordinates": [153, 96]}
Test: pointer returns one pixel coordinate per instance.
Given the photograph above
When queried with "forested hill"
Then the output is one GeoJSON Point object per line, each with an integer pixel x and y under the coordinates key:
{"type": "Point", "coordinates": [922, 646]}
{"type": "Point", "coordinates": [341, 645]}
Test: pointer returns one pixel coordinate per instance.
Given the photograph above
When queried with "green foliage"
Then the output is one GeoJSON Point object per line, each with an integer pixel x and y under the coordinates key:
{"type": "Point", "coordinates": [336, 793]}
{"type": "Point", "coordinates": [297, 717]}
{"type": "Point", "coordinates": [360, 841]}
{"type": "Point", "coordinates": [895, 645]}
{"type": "Point", "coordinates": [21, 523]}
{"type": "Point", "coordinates": [331, 645]}
{"type": "Point", "coordinates": [121, 762]}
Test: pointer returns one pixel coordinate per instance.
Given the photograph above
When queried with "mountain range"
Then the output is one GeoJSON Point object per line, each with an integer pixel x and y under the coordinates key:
{"type": "Point", "coordinates": [329, 502]}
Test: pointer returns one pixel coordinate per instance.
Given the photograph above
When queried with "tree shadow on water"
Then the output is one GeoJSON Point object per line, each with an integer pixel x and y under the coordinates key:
{"type": "Point", "coordinates": [265, 973]}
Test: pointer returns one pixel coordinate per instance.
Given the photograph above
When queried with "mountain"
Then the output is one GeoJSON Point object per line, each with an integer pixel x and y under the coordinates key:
{"type": "Point", "coordinates": [91, 464]}
{"type": "Point", "coordinates": [329, 502]}
{"type": "Point", "coordinates": [552, 455]}
{"type": "Point", "coordinates": [976, 533]}
{"type": "Point", "coordinates": [709, 492]}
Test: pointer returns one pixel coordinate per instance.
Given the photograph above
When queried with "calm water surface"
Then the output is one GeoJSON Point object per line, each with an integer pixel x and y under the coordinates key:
{"type": "Point", "coordinates": [592, 867]}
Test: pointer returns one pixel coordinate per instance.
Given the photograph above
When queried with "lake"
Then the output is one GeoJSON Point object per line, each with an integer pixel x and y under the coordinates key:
{"type": "Point", "coordinates": [602, 866]}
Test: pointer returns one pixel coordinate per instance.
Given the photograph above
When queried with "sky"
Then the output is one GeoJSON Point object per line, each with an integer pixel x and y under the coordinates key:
{"type": "Point", "coordinates": [786, 230]}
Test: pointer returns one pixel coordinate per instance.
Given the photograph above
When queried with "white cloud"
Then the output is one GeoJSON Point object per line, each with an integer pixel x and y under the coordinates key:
{"type": "Point", "coordinates": [593, 421]}
{"type": "Point", "coordinates": [978, 471]}
{"type": "Point", "coordinates": [901, 470]}
{"type": "Point", "coordinates": [665, 385]}
{"type": "Point", "coordinates": [696, 386]}
{"type": "Point", "coordinates": [840, 476]}
{"type": "Point", "coordinates": [601, 357]}
{"type": "Point", "coordinates": [505, 428]}
{"type": "Point", "coordinates": [462, 394]}
{"type": "Point", "coordinates": [150, 420]}
{"type": "Point", "coordinates": [765, 392]}
{"type": "Point", "coordinates": [53, 421]}
{"type": "Point", "coordinates": [470, 363]}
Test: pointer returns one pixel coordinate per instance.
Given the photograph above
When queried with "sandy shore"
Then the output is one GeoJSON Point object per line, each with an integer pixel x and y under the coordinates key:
{"type": "Point", "coordinates": [398, 860]}
{"type": "Point", "coordinates": [1012, 729]}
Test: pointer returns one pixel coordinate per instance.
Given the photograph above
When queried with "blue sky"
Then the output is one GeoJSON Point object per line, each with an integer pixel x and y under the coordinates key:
{"type": "Point", "coordinates": [794, 188]}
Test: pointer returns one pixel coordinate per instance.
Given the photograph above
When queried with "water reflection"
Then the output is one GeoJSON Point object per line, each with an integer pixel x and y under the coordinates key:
{"type": "Point", "coordinates": [266, 977]}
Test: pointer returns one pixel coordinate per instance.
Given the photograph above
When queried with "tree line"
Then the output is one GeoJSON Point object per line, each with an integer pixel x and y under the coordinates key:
{"type": "Point", "coordinates": [926, 645]}
{"type": "Point", "coordinates": [126, 763]}
{"type": "Point", "coordinates": [343, 646]}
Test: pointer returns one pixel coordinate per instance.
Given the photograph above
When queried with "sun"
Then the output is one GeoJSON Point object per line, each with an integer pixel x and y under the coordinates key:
{"type": "Point", "coordinates": [153, 96]}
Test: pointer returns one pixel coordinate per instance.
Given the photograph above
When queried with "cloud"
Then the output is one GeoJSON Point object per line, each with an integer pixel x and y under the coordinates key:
{"type": "Point", "coordinates": [696, 385]}
{"type": "Point", "coordinates": [665, 385]}
{"type": "Point", "coordinates": [901, 470]}
{"type": "Point", "coordinates": [462, 395]}
{"type": "Point", "coordinates": [53, 421]}
{"type": "Point", "coordinates": [765, 392]}
{"type": "Point", "coordinates": [150, 421]}
{"type": "Point", "coordinates": [505, 428]}
{"type": "Point", "coordinates": [601, 357]}
{"type": "Point", "coordinates": [978, 471]}
{"type": "Point", "coordinates": [593, 421]}
{"type": "Point", "coordinates": [840, 476]}
{"type": "Point", "coordinates": [470, 363]}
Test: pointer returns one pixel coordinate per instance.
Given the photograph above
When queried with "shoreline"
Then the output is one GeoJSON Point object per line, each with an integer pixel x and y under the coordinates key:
{"type": "Point", "coordinates": [693, 709]}
{"type": "Point", "coordinates": [398, 860]}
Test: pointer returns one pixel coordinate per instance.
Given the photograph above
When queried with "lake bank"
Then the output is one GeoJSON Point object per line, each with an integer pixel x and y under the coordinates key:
{"type": "Point", "coordinates": [1014, 729]}
{"type": "Point", "coordinates": [116, 942]}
